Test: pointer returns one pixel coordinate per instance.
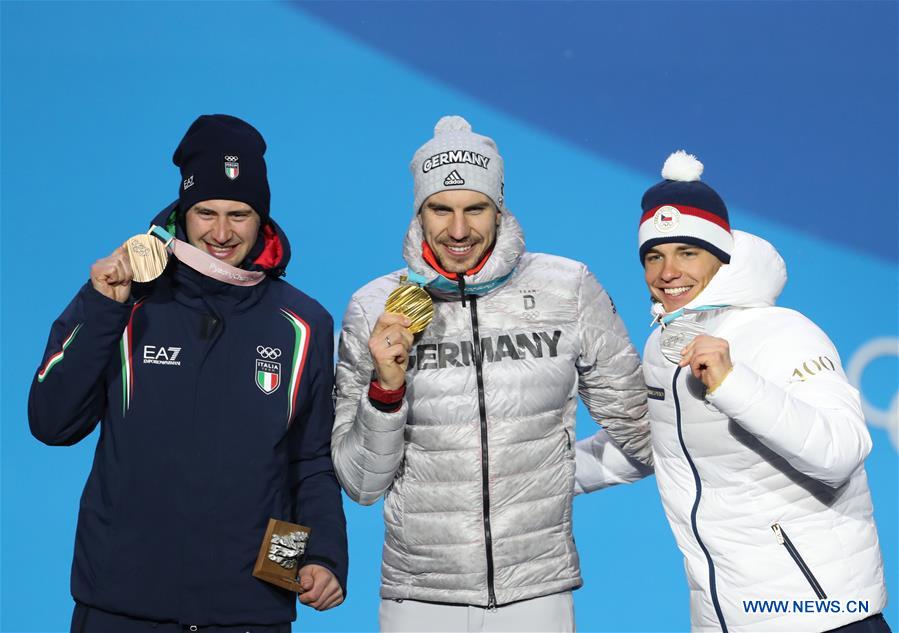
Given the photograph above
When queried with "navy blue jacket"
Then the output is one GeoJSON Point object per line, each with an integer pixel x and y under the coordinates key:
{"type": "Point", "coordinates": [215, 410]}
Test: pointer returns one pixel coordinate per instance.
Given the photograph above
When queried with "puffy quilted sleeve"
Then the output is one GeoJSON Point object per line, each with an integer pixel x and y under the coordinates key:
{"type": "Point", "coordinates": [610, 376]}
{"type": "Point", "coordinates": [366, 444]}
{"type": "Point", "coordinates": [793, 395]}
{"type": "Point", "coordinates": [600, 463]}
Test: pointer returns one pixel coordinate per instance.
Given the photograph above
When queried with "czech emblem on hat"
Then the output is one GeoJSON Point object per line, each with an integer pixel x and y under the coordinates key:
{"type": "Point", "coordinates": [232, 167]}
{"type": "Point", "coordinates": [268, 372]}
{"type": "Point", "coordinates": [666, 219]}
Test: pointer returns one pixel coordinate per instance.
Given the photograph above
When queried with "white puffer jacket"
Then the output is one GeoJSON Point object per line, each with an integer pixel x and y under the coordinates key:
{"type": "Point", "coordinates": [763, 480]}
{"type": "Point", "coordinates": [478, 463]}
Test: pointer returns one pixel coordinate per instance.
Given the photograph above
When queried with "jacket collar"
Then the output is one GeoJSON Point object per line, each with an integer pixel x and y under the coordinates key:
{"type": "Point", "coordinates": [754, 278]}
{"type": "Point", "coordinates": [507, 252]}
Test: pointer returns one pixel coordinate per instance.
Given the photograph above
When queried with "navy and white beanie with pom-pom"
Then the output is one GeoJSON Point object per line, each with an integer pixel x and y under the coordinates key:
{"type": "Point", "coordinates": [684, 210]}
{"type": "Point", "coordinates": [457, 158]}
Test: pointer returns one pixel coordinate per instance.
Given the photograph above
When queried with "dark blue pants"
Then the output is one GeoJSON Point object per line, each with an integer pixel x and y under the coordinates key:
{"type": "Point", "coordinates": [873, 624]}
{"type": "Point", "coordinates": [87, 619]}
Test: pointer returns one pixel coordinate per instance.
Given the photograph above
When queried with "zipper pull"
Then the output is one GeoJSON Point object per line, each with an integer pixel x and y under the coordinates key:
{"type": "Point", "coordinates": [462, 288]}
{"type": "Point", "coordinates": [778, 533]}
{"type": "Point", "coordinates": [491, 604]}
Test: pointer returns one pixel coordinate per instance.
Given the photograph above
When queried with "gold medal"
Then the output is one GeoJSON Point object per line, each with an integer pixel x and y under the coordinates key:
{"type": "Point", "coordinates": [148, 257]}
{"type": "Point", "coordinates": [412, 301]}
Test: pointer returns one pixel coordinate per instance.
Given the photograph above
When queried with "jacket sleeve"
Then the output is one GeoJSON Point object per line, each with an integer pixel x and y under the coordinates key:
{"type": "Point", "coordinates": [793, 395]}
{"type": "Point", "coordinates": [610, 376]}
{"type": "Point", "coordinates": [68, 392]}
{"type": "Point", "coordinates": [367, 444]}
{"type": "Point", "coordinates": [600, 463]}
{"type": "Point", "coordinates": [316, 493]}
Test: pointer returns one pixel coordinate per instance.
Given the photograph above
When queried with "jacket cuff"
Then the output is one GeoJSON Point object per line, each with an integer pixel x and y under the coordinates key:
{"type": "Point", "coordinates": [97, 304]}
{"type": "Point", "coordinates": [385, 400]}
{"type": "Point", "coordinates": [330, 565]}
{"type": "Point", "coordinates": [739, 392]}
{"type": "Point", "coordinates": [103, 317]}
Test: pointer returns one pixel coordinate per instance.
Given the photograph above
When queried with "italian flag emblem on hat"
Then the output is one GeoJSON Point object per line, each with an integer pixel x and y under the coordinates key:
{"type": "Point", "coordinates": [232, 167]}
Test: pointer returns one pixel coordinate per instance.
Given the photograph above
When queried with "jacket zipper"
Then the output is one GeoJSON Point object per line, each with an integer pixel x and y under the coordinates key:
{"type": "Point", "coordinates": [713, 588]}
{"type": "Point", "coordinates": [485, 471]}
{"type": "Point", "coordinates": [784, 540]}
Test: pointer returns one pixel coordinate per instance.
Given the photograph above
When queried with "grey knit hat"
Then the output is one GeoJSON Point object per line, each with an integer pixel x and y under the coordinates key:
{"type": "Point", "coordinates": [457, 158]}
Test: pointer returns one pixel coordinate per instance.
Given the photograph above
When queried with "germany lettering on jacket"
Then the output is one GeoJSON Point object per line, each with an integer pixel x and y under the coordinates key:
{"type": "Point", "coordinates": [455, 156]}
{"type": "Point", "coordinates": [493, 350]}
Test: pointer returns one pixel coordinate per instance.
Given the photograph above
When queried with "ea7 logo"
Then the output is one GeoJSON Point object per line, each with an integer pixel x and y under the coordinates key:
{"type": "Point", "coordinates": [154, 355]}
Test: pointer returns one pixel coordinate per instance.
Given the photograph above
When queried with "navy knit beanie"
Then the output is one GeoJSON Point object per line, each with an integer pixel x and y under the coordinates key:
{"type": "Point", "coordinates": [221, 158]}
{"type": "Point", "coordinates": [684, 210]}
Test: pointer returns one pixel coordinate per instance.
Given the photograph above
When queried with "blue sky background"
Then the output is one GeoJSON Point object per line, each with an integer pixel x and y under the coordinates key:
{"type": "Point", "coordinates": [791, 105]}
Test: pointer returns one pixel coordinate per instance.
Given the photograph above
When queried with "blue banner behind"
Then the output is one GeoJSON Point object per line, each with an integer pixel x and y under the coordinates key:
{"type": "Point", "coordinates": [792, 106]}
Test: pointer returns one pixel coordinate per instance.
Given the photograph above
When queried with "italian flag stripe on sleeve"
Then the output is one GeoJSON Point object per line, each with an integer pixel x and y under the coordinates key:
{"type": "Point", "coordinates": [54, 360]}
{"type": "Point", "coordinates": [300, 348]}
{"type": "Point", "coordinates": [125, 348]}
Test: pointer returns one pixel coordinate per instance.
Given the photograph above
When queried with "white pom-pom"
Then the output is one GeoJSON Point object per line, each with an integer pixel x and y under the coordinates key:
{"type": "Point", "coordinates": [682, 166]}
{"type": "Point", "coordinates": [452, 123]}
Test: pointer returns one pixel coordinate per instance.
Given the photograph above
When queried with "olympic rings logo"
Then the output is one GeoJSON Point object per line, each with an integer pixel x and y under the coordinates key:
{"type": "Point", "coordinates": [887, 419]}
{"type": "Point", "coordinates": [231, 159]}
{"type": "Point", "coordinates": [269, 353]}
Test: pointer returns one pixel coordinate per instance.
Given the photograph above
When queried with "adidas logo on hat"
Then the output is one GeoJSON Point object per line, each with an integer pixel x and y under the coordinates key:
{"type": "Point", "coordinates": [453, 179]}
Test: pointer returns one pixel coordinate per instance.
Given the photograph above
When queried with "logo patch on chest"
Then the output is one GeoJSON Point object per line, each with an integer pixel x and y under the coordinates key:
{"type": "Point", "coordinates": [160, 355]}
{"type": "Point", "coordinates": [268, 372]}
{"type": "Point", "coordinates": [656, 393]}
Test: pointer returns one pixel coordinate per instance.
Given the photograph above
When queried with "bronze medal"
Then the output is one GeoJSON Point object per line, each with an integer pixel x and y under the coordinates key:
{"type": "Point", "coordinates": [412, 301]}
{"type": "Point", "coordinates": [148, 257]}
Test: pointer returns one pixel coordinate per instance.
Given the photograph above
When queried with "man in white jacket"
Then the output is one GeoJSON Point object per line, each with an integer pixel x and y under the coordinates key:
{"type": "Point", "coordinates": [758, 438]}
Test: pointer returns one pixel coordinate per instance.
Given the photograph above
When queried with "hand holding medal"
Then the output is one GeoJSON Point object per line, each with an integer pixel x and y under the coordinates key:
{"type": "Point", "coordinates": [112, 275]}
{"type": "Point", "coordinates": [708, 357]}
{"type": "Point", "coordinates": [407, 312]}
{"type": "Point", "coordinates": [141, 258]}
{"type": "Point", "coordinates": [412, 301]}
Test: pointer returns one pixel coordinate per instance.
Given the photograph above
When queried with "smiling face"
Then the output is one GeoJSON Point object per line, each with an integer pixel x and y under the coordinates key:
{"type": "Point", "coordinates": [677, 273]}
{"type": "Point", "coordinates": [226, 229]}
{"type": "Point", "coordinates": [460, 226]}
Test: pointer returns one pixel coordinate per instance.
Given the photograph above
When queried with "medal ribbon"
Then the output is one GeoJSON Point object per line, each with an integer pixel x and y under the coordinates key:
{"type": "Point", "coordinates": [444, 284]}
{"type": "Point", "coordinates": [206, 264]}
{"type": "Point", "coordinates": [665, 319]}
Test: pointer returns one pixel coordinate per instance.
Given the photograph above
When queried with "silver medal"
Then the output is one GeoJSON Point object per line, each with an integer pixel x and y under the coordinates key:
{"type": "Point", "coordinates": [676, 336]}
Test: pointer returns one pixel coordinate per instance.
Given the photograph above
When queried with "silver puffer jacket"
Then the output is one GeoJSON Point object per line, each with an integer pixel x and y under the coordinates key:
{"type": "Point", "coordinates": [478, 463]}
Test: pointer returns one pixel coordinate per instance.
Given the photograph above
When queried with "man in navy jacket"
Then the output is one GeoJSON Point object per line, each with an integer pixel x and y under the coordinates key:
{"type": "Point", "coordinates": [216, 409]}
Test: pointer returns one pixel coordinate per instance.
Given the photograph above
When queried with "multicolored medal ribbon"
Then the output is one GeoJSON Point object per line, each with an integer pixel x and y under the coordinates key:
{"type": "Point", "coordinates": [149, 255]}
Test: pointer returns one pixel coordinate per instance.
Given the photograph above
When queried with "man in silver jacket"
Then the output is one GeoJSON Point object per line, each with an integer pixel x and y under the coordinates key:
{"type": "Point", "coordinates": [467, 429]}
